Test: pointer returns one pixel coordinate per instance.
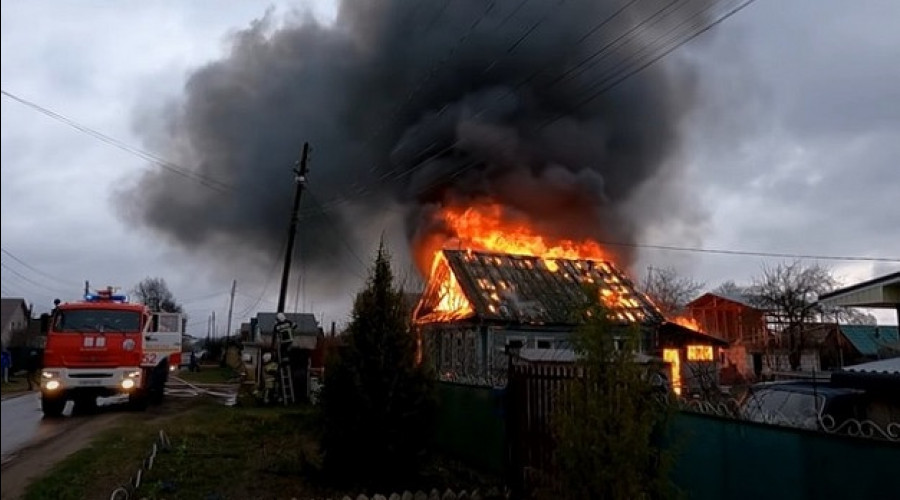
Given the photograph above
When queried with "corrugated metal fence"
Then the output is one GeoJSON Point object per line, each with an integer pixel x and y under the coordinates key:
{"type": "Point", "coordinates": [507, 431]}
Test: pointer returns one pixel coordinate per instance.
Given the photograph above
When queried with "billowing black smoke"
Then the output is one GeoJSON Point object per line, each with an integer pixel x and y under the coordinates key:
{"type": "Point", "coordinates": [408, 105]}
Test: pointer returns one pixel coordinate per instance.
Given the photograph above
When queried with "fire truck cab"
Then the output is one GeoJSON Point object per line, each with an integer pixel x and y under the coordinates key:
{"type": "Point", "coordinates": [103, 346]}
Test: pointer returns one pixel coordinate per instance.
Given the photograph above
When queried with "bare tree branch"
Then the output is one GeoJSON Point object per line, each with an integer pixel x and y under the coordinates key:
{"type": "Point", "coordinates": [791, 292]}
{"type": "Point", "coordinates": [669, 291]}
{"type": "Point", "coordinates": [155, 293]}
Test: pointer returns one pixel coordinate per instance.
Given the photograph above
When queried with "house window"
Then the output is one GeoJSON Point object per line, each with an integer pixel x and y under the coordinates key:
{"type": "Point", "coordinates": [672, 357]}
{"type": "Point", "coordinates": [544, 344]}
{"type": "Point", "coordinates": [700, 353]}
{"type": "Point", "coordinates": [515, 343]}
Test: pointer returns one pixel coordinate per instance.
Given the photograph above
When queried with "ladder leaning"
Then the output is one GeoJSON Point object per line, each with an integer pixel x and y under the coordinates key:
{"type": "Point", "coordinates": [287, 384]}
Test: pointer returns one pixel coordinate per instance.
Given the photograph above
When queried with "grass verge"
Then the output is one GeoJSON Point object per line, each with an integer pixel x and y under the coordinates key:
{"type": "Point", "coordinates": [15, 384]}
{"type": "Point", "coordinates": [220, 453]}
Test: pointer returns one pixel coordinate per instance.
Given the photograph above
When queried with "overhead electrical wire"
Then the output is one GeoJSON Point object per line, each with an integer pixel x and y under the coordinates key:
{"type": "Point", "coordinates": [396, 173]}
{"type": "Point", "coordinates": [602, 85]}
{"type": "Point", "coordinates": [207, 181]}
{"type": "Point", "coordinates": [38, 271]}
{"type": "Point", "coordinates": [29, 280]}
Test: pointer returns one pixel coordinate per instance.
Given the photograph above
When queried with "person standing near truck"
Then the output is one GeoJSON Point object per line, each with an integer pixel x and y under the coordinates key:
{"type": "Point", "coordinates": [32, 365]}
{"type": "Point", "coordinates": [6, 362]}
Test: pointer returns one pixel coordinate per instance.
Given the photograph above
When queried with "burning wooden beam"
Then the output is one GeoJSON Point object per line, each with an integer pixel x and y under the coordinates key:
{"type": "Point", "coordinates": [466, 284]}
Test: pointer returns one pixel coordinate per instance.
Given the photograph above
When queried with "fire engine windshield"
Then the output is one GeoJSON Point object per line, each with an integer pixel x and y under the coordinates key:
{"type": "Point", "coordinates": [99, 321]}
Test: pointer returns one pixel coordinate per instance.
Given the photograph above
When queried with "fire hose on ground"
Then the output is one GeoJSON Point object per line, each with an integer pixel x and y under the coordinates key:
{"type": "Point", "coordinates": [195, 390]}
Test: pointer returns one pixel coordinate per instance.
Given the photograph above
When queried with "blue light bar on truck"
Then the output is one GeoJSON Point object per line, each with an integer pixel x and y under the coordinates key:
{"type": "Point", "coordinates": [104, 297]}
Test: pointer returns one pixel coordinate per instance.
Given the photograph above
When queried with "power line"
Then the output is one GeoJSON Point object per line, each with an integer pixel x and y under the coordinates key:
{"type": "Point", "coordinates": [29, 280]}
{"type": "Point", "coordinates": [207, 181]}
{"type": "Point", "coordinates": [341, 237]}
{"type": "Point", "coordinates": [606, 83]}
{"type": "Point", "coordinates": [624, 76]}
{"type": "Point", "coordinates": [752, 253]}
{"type": "Point", "coordinates": [36, 270]}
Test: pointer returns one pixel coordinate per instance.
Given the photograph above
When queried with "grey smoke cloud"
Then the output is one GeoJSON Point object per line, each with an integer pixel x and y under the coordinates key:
{"type": "Point", "coordinates": [419, 104]}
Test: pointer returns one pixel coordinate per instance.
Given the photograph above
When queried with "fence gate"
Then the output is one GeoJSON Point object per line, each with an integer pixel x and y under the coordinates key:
{"type": "Point", "coordinates": [533, 395]}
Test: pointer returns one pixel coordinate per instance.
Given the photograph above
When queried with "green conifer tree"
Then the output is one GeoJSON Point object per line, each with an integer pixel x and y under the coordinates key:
{"type": "Point", "coordinates": [609, 425]}
{"type": "Point", "coordinates": [378, 400]}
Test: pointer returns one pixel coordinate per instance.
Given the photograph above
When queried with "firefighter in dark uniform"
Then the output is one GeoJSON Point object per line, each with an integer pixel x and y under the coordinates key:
{"type": "Point", "coordinates": [284, 332]}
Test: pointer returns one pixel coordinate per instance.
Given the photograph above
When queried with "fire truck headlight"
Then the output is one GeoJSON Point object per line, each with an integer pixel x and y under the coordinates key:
{"type": "Point", "coordinates": [49, 374]}
{"type": "Point", "coordinates": [128, 383]}
{"type": "Point", "coordinates": [171, 368]}
{"type": "Point", "coordinates": [52, 385]}
{"type": "Point", "coordinates": [134, 374]}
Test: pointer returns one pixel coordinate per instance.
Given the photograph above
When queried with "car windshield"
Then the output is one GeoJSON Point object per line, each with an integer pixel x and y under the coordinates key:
{"type": "Point", "coordinates": [97, 321]}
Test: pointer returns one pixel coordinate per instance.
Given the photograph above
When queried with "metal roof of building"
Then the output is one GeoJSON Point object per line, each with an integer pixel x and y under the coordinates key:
{"type": "Point", "coordinates": [869, 340]}
{"type": "Point", "coordinates": [534, 290]}
{"type": "Point", "coordinates": [884, 366]}
{"type": "Point", "coordinates": [883, 291]}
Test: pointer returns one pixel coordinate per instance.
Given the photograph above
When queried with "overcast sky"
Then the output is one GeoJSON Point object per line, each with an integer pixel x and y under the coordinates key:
{"type": "Point", "coordinates": [789, 146]}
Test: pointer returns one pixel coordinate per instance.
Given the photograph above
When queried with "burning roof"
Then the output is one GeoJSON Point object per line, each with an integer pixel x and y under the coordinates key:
{"type": "Point", "coordinates": [467, 284]}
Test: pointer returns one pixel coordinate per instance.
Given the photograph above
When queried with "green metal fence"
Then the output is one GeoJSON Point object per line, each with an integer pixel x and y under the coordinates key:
{"type": "Point", "coordinates": [715, 458]}
{"type": "Point", "coordinates": [722, 458]}
{"type": "Point", "coordinates": [470, 425]}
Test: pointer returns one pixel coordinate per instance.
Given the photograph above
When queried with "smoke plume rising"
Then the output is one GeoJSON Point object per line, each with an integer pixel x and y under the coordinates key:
{"type": "Point", "coordinates": [411, 105]}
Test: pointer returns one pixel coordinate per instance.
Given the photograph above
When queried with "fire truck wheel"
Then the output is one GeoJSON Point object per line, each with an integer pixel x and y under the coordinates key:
{"type": "Point", "coordinates": [157, 387]}
{"type": "Point", "coordinates": [53, 406]}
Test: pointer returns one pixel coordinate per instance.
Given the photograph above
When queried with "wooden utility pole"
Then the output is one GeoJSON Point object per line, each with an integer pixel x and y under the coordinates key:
{"type": "Point", "coordinates": [300, 179]}
{"type": "Point", "coordinates": [231, 307]}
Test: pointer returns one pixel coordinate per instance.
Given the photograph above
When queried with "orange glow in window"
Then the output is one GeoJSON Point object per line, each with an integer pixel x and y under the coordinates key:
{"type": "Point", "coordinates": [672, 357]}
{"type": "Point", "coordinates": [699, 353]}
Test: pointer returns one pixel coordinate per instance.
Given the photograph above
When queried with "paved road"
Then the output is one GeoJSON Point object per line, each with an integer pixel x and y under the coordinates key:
{"type": "Point", "coordinates": [21, 421]}
{"type": "Point", "coordinates": [23, 424]}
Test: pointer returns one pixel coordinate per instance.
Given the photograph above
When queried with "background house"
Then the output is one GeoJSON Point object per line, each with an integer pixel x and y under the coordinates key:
{"type": "Point", "coordinates": [15, 320]}
{"type": "Point", "coordinates": [882, 292]}
{"type": "Point", "coordinates": [307, 334]}
{"type": "Point", "coordinates": [870, 342]}
{"type": "Point", "coordinates": [742, 324]}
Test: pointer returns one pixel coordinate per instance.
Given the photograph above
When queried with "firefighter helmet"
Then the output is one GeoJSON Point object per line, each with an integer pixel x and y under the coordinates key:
{"type": "Point", "coordinates": [267, 357]}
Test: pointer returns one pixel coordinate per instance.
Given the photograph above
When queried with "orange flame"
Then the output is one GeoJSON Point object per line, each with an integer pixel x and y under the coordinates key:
{"type": "Point", "coordinates": [453, 302]}
{"type": "Point", "coordinates": [486, 226]}
{"type": "Point", "coordinates": [688, 322]}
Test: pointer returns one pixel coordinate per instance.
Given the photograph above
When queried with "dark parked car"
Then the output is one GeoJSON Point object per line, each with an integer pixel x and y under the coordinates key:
{"type": "Point", "coordinates": [802, 404]}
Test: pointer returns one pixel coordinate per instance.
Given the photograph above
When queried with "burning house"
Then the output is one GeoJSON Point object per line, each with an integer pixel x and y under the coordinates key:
{"type": "Point", "coordinates": [479, 305]}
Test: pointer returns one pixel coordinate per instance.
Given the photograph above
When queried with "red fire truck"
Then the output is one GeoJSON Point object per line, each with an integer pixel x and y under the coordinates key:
{"type": "Point", "coordinates": [103, 346]}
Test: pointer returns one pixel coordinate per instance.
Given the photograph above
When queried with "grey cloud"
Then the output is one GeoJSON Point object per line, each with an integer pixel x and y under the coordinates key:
{"type": "Point", "coordinates": [419, 104]}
